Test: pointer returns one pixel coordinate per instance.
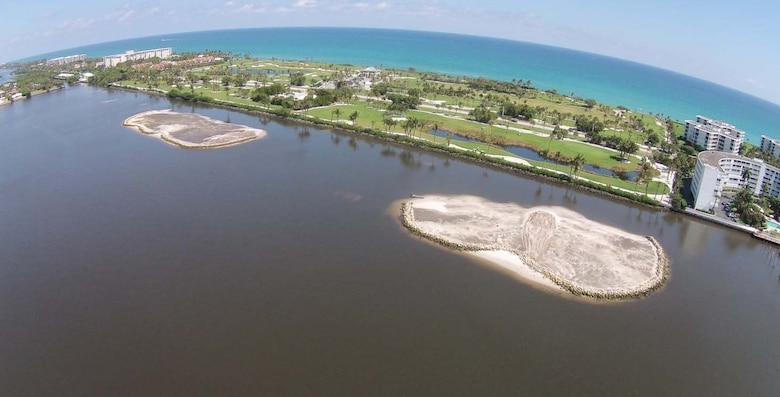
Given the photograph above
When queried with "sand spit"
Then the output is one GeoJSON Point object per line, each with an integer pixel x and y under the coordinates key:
{"type": "Point", "coordinates": [191, 130]}
{"type": "Point", "coordinates": [575, 253]}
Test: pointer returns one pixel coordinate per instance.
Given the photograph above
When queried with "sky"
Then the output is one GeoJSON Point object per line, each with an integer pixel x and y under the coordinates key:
{"type": "Point", "coordinates": [732, 43]}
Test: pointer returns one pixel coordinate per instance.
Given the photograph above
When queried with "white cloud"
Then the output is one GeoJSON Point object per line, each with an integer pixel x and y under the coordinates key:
{"type": "Point", "coordinates": [305, 4]}
{"type": "Point", "coordinates": [121, 15]}
{"type": "Point", "coordinates": [424, 10]}
{"type": "Point", "coordinates": [371, 6]}
{"type": "Point", "coordinates": [76, 23]}
{"type": "Point", "coordinates": [126, 15]}
{"type": "Point", "coordinates": [252, 8]}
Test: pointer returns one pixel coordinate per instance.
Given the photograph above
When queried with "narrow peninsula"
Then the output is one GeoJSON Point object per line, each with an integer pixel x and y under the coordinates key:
{"type": "Point", "coordinates": [191, 130]}
{"type": "Point", "coordinates": [554, 246]}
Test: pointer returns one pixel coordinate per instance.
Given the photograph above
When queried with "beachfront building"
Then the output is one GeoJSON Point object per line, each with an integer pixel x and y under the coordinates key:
{"type": "Point", "coordinates": [66, 60]}
{"type": "Point", "coordinates": [771, 146]}
{"type": "Point", "coordinates": [132, 55]}
{"type": "Point", "coordinates": [713, 135]}
{"type": "Point", "coordinates": [717, 171]}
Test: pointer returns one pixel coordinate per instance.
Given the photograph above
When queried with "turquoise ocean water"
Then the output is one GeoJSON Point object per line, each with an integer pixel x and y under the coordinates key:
{"type": "Point", "coordinates": [609, 80]}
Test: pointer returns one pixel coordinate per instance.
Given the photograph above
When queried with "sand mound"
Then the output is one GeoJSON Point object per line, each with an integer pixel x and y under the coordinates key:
{"type": "Point", "coordinates": [536, 234]}
{"type": "Point", "coordinates": [191, 130]}
{"type": "Point", "coordinates": [574, 252]}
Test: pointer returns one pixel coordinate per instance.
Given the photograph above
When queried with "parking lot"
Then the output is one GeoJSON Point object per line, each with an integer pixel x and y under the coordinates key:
{"type": "Point", "coordinates": [723, 209]}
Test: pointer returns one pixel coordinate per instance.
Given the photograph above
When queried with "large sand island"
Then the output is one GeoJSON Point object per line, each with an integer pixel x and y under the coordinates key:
{"type": "Point", "coordinates": [551, 245]}
{"type": "Point", "coordinates": [191, 130]}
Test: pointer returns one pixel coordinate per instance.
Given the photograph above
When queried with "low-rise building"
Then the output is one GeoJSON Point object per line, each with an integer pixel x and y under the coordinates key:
{"type": "Point", "coordinates": [132, 55]}
{"type": "Point", "coordinates": [369, 72]}
{"type": "Point", "coordinates": [84, 78]}
{"type": "Point", "coordinates": [718, 171]}
{"type": "Point", "coordinates": [713, 135]}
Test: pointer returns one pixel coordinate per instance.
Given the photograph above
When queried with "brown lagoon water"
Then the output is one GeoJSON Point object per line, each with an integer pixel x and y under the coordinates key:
{"type": "Point", "coordinates": [130, 267]}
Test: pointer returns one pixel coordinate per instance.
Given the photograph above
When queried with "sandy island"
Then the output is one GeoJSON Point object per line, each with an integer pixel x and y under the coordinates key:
{"type": "Point", "coordinates": [191, 130]}
{"type": "Point", "coordinates": [553, 246]}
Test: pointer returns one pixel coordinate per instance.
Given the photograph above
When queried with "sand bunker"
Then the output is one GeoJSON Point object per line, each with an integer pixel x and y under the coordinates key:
{"type": "Point", "coordinates": [191, 130]}
{"type": "Point", "coordinates": [552, 245]}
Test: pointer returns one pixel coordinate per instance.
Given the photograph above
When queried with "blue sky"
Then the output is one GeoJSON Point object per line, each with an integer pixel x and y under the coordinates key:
{"type": "Point", "coordinates": [727, 42]}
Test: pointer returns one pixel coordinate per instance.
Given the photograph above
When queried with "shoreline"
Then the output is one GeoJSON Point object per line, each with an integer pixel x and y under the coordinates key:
{"type": "Point", "coordinates": [463, 156]}
{"type": "Point", "coordinates": [498, 164]}
{"type": "Point", "coordinates": [529, 270]}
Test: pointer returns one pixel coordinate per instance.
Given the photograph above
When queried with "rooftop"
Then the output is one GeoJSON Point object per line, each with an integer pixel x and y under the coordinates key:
{"type": "Point", "coordinates": [710, 125]}
{"type": "Point", "coordinates": [713, 158]}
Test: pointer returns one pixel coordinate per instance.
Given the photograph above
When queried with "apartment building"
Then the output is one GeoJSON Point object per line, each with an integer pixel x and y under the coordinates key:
{"type": "Point", "coordinates": [713, 135]}
{"type": "Point", "coordinates": [132, 55]}
{"type": "Point", "coordinates": [716, 171]}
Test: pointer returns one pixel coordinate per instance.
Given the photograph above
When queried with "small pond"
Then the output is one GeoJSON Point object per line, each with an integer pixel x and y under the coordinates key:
{"type": "Point", "coordinates": [534, 155]}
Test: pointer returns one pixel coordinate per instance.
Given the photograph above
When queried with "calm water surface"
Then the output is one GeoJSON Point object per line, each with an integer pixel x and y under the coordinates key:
{"type": "Point", "coordinates": [131, 267]}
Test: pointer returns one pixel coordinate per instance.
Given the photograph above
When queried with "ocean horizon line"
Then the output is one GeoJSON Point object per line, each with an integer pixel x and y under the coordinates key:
{"type": "Point", "coordinates": [610, 80]}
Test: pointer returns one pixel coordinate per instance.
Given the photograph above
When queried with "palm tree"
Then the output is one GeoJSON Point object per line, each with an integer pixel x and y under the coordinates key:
{"type": "Point", "coordinates": [409, 125]}
{"type": "Point", "coordinates": [353, 117]}
{"type": "Point", "coordinates": [646, 173]}
{"type": "Point", "coordinates": [746, 174]}
{"type": "Point", "coordinates": [576, 163]}
{"type": "Point", "coordinates": [389, 122]}
{"type": "Point", "coordinates": [422, 125]}
{"type": "Point", "coordinates": [337, 112]}
{"type": "Point", "coordinates": [557, 133]}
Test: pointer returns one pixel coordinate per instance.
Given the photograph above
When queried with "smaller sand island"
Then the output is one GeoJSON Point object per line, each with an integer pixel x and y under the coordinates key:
{"type": "Point", "coordinates": [192, 130]}
{"type": "Point", "coordinates": [553, 246]}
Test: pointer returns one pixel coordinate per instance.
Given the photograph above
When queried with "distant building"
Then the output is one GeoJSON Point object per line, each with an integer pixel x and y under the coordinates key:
{"type": "Point", "coordinates": [771, 146]}
{"type": "Point", "coordinates": [369, 72]}
{"type": "Point", "coordinates": [84, 78]}
{"type": "Point", "coordinates": [716, 171]}
{"type": "Point", "coordinates": [66, 60]}
{"type": "Point", "coordinates": [132, 55]}
{"type": "Point", "coordinates": [299, 93]}
{"type": "Point", "coordinates": [713, 135]}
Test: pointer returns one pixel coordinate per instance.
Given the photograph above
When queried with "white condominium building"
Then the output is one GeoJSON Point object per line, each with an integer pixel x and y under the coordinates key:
{"type": "Point", "coordinates": [771, 146]}
{"type": "Point", "coordinates": [716, 171]}
{"type": "Point", "coordinates": [131, 55]}
{"type": "Point", "coordinates": [713, 135]}
{"type": "Point", "coordinates": [66, 60]}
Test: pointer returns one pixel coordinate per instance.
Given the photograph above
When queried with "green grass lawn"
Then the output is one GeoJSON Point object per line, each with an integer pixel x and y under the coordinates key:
{"type": "Point", "coordinates": [594, 155]}
{"type": "Point", "coordinates": [637, 137]}
{"type": "Point", "coordinates": [370, 116]}
{"type": "Point", "coordinates": [366, 115]}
